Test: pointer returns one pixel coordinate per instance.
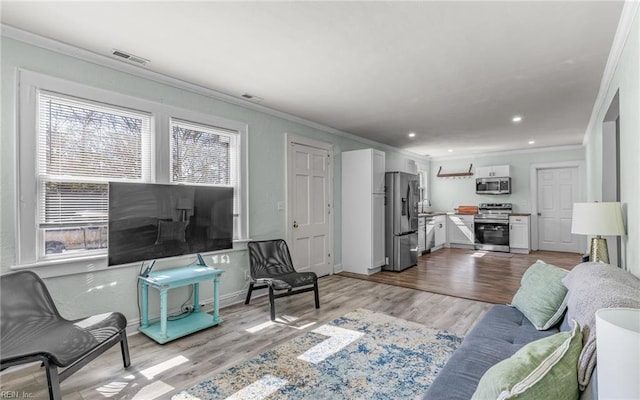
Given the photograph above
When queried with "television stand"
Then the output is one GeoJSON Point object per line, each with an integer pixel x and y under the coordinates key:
{"type": "Point", "coordinates": [164, 331]}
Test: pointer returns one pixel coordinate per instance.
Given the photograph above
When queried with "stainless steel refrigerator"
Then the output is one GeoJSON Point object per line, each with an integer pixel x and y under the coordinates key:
{"type": "Point", "coordinates": [401, 220]}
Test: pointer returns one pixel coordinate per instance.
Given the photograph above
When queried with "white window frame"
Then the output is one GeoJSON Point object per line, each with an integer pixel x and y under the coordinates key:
{"type": "Point", "coordinates": [27, 255]}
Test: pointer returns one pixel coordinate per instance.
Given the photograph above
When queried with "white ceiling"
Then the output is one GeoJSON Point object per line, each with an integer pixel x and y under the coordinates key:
{"type": "Point", "coordinates": [452, 72]}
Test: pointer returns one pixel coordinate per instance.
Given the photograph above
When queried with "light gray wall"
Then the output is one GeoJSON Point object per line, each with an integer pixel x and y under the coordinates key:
{"type": "Point", "coordinates": [115, 289]}
{"type": "Point", "coordinates": [449, 193]}
{"type": "Point", "coordinates": [626, 81]}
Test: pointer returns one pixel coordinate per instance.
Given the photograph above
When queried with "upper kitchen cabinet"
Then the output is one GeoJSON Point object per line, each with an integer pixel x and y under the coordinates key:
{"type": "Point", "coordinates": [378, 161]}
{"type": "Point", "coordinates": [493, 171]}
{"type": "Point", "coordinates": [363, 223]}
{"type": "Point", "coordinates": [402, 165]}
{"type": "Point", "coordinates": [366, 167]}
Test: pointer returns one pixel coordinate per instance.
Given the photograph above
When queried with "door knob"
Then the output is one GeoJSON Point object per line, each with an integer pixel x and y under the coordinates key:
{"type": "Point", "coordinates": [295, 224]}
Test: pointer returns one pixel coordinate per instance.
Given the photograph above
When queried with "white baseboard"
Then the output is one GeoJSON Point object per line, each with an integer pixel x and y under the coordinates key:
{"type": "Point", "coordinates": [337, 268]}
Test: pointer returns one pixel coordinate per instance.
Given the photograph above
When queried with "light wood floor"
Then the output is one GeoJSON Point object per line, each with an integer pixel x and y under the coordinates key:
{"type": "Point", "coordinates": [486, 276]}
{"type": "Point", "coordinates": [159, 371]}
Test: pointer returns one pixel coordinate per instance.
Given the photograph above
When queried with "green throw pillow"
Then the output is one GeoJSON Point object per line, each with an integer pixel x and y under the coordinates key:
{"type": "Point", "coordinates": [543, 369]}
{"type": "Point", "coordinates": [542, 296]}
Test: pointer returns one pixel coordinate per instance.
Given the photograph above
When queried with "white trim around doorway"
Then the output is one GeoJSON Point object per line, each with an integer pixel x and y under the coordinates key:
{"type": "Point", "coordinates": [289, 140]}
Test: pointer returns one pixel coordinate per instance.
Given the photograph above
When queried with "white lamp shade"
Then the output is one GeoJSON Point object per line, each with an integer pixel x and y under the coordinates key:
{"type": "Point", "coordinates": [618, 353]}
{"type": "Point", "coordinates": [604, 219]}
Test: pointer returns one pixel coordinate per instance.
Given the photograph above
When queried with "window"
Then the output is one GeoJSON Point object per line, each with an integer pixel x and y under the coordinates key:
{"type": "Point", "coordinates": [74, 139]}
{"type": "Point", "coordinates": [81, 146]}
{"type": "Point", "coordinates": [206, 155]}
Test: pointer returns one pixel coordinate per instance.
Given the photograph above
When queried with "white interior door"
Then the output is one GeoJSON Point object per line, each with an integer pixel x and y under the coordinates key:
{"type": "Point", "coordinates": [310, 227]}
{"type": "Point", "coordinates": [558, 189]}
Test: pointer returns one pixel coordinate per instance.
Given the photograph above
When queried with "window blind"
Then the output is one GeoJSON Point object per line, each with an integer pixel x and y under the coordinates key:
{"type": "Point", "coordinates": [81, 146]}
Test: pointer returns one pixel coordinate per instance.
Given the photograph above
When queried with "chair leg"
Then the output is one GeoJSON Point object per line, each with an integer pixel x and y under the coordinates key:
{"type": "Point", "coordinates": [315, 293]}
{"type": "Point", "coordinates": [124, 346]}
{"type": "Point", "coordinates": [272, 303]}
{"type": "Point", "coordinates": [246, 301]}
{"type": "Point", "coordinates": [53, 380]}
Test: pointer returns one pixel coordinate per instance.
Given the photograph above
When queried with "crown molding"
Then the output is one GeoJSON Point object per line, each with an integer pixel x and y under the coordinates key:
{"type": "Point", "coordinates": [145, 73]}
{"type": "Point", "coordinates": [628, 15]}
{"type": "Point", "coordinates": [510, 152]}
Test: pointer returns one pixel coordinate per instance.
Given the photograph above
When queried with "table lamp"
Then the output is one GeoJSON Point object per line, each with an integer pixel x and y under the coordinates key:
{"type": "Point", "coordinates": [618, 353]}
{"type": "Point", "coordinates": [598, 219]}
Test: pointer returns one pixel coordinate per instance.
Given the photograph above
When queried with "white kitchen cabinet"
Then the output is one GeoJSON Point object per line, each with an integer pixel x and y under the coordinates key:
{"type": "Point", "coordinates": [363, 226]}
{"type": "Point", "coordinates": [519, 234]}
{"type": "Point", "coordinates": [493, 171]}
{"type": "Point", "coordinates": [402, 165]}
{"type": "Point", "coordinates": [460, 230]}
{"type": "Point", "coordinates": [440, 231]}
{"type": "Point", "coordinates": [378, 230]}
{"type": "Point", "coordinates": [378, 160]}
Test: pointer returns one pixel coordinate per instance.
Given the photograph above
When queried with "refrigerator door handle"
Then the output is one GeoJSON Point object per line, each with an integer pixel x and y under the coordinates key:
{"type": "Point", "coordinates": [407, 204]}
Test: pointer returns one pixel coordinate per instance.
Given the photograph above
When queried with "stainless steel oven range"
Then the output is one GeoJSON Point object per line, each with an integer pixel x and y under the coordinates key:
{"type": "Point", "coordinates": [492, 226]}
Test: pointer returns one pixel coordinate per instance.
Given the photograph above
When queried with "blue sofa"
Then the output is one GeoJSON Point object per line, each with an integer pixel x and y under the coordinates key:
{"type": "Point", "coordinates": [497, 336]}
{"type": "Point", "coordinates": [504, 330]}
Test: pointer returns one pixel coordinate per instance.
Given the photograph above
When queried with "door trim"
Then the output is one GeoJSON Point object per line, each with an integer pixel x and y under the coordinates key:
{"type": "Point", "coordinates": [533, 190]}
{"type": "Point", "coordinates": [291, 139]}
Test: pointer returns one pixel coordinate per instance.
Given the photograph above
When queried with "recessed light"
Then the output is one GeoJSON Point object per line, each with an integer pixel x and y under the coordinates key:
{"type": "Point", "coordinates": [450, 150]}
{"type": "Point", "coordinates": [532, 142]}
{"type": "Point", "coordinates": [412, 134]}
{"type": "Point", "coordinates": [516, 119]}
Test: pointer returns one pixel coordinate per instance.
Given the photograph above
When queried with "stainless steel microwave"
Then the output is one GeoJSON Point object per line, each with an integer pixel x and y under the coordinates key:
{"type": "Point", "coordinates": [493, 185]}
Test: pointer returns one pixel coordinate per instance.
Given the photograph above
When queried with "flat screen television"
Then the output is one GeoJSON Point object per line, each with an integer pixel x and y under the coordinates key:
{"type": "Point", "coordinates": [148, 221]}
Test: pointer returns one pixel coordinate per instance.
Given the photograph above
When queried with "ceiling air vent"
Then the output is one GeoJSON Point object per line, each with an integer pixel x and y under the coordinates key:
{"type": "Point", "coordinates": [129, 57]}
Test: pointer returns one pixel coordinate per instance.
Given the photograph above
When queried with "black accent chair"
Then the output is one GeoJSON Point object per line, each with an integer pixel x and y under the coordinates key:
{"type": "Point", "coordinates": [31, 329]}
{"type": "Point", "coordinates": [271, 266]}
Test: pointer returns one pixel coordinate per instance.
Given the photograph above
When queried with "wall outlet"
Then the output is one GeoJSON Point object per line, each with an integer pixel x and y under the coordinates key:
{"type": "Point", "coordinates": [247, 275]}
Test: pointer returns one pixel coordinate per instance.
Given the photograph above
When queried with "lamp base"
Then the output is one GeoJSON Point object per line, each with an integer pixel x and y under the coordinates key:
{"type": "Point", "coordinates": [599, 250]}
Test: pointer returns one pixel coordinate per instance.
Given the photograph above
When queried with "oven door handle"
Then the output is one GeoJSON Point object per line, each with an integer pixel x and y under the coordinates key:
{"type": "Point", "coordinates": [491, 221]}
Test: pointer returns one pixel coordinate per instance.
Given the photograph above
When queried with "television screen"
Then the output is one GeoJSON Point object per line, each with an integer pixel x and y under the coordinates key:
{"type": "Point", "coordinates": [148, 221]}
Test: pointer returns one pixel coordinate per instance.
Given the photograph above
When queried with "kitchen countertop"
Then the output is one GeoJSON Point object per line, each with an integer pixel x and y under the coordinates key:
{"type": "Point", "coordinates": [432, 214]}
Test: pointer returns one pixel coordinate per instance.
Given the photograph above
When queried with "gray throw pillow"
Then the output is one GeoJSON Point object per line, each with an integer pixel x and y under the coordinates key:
{"type": "Point", "coordinates": [593, 286]}
{"type": "Point", "coordinates": [542, 297]}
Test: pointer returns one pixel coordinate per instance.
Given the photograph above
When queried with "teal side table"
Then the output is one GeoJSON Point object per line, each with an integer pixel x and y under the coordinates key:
{"type": "Point", "coordinates": [164, 330]}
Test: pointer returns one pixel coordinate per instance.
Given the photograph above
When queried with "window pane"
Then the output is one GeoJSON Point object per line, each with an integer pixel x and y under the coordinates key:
{"type": "Point", "coordinates": [201, 155]}
{"type": "Point", "coordinates": [90, 140]}
{"type": "Point", "coordinates": [75, 240]}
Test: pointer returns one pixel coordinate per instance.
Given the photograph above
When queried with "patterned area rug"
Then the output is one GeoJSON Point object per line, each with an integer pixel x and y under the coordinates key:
{"type": "Point", "coordinates": [361, 355]}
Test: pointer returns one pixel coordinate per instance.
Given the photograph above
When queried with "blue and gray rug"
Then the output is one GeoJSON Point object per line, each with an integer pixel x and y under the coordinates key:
{"type": "Point", "coordinates": [361, 355]}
